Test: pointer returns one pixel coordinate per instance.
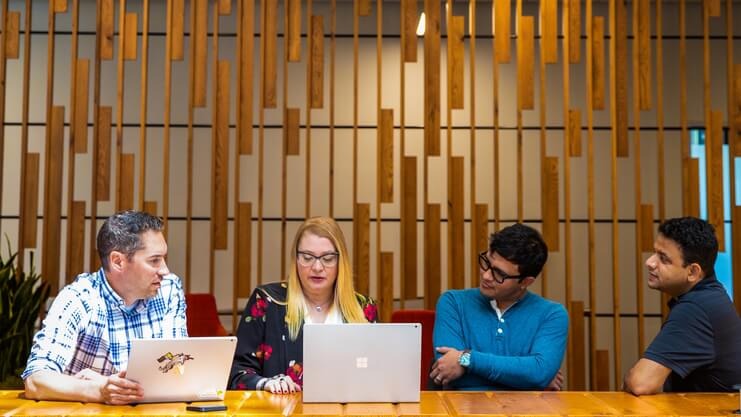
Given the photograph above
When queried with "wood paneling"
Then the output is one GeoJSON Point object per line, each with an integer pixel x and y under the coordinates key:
{"type": "Point", "coordinates": [456, 60]}
{"type": "Point", "coordinates": [220, 161]}
{"type": "Point", "coordinates": [409, 227]}
{"type": "Point", "coordinates": [53, 199]}
{"type": "Point", "coordinates": [81, 104]}
{"type": "Point", "coordinates": [502, 29]}
{"type": "Point", "coordinates": [126, 184]}
{"type": "Point", "coordinates": [60, 6]}
{"type": "Point", "coordinates": [244, 248]}
{"type": "Point", "coordinates": [364, 7]}
{"type": "Point", "coordinates": [291, 131]}
{"type": "Point", "coordinates": [130, 36]}
{"type": "Point", "coordinates": [385, 156]}
{"type": "Point", "coordinates": [549, 209]}
{"type": "Point", "coordinates": [574, 132]}
{"type": "Point", "coordinates": [225, 7]}
{"type": "Point", "coordinates": [737, 109]}
{"type": "Point", "coordinates": [103, 157]}
{"type": "Point", "coordinates": [598, 63]}
{"type": "Point", "coordinates": [432, 78]}
{"type": "Point", "coordinates": [76, 255]}
{"type": "Point", "coordinates": [361, 247]}
{"type": "Point", "coordinates": [245, 107]}
{"type": "Point", "coordinates": [525, 64]}
{"type": "Point", "coordinates": [644, 54]}
{"type": "Point", "coordinates": [150, 207]}
{"type": "Point", "coordinates": [619, 77]}
{"type": "Point", "coordinates": [714, 175]}
{"type": "Point", "coordinates": [647, 227]}
{"type": "Point", "coordinates": [200, 48]}
{"type": "Point", "coordinates": [692, 188]}
{"type": "Point", "coordinates": [736, 231]}
{"type": "Point", "coordinates": [602, 363]}
{"type": "Point", "coordinates": [456, 235]}
{"type": "Point", "coordinates": [410, 17]}
{"type": "Point", "coordinates": [480, 226]}
{"type": "Point", "coordinates": [432, 255]}
{"type": "Point", "coordinates": [574, 22]}
{"type": "Point", "coordinates": [270, 54]}
{"type": "Point", "coordinates": [549, 30]}
{"type": "Point", "coordinates": [713, 7]}
{"type": "Point", "coordinates": [31, 203]}
{"type": "Point", "coordinates": [178, 30]}
{"type": "Point", "coordinates": [317, 62]}
{"type": "Point", "coordinates": [106, 29]}
{"type": "Point", "coordinates": [294, 30]}
{"type": "Point", "coordinates": [12, 40]}
{"type": "Point", "coordinates": [386, 287]}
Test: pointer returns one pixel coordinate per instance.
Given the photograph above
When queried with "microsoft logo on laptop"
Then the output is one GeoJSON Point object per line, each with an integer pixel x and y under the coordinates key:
{"type": "Point", "coordinates": [361, 362]}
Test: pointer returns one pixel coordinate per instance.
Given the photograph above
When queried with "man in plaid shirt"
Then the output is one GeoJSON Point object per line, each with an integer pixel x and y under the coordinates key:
{"type": "Point", "coordinates": [82, 349]}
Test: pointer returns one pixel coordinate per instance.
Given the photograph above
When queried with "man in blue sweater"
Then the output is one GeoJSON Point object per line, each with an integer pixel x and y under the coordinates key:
{"type": "Point", "coordinates": [699, 345]}
{"type": "Point", "coordinates": [501, 336]}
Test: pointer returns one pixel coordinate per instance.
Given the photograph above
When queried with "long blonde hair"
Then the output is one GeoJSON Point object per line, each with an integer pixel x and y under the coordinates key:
{"type": "Point", "coordinates": [344, 290]}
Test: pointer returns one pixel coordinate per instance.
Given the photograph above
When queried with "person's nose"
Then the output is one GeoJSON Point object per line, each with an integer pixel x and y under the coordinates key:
{"type": "Point", "coordinates": [164, 270]}
{"type": "Point", "coordinates": [487, 275]}
{"type": "Point", "coordinates": [651, 262]}
{"type": "Point", "coordinates": [317, 265]}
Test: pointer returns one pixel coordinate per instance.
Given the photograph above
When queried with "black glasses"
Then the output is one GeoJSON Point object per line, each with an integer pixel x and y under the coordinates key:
{"type": "Point", "coordinates": [328, 260]}
{"type": "Point", "coordinates": [498, 275]}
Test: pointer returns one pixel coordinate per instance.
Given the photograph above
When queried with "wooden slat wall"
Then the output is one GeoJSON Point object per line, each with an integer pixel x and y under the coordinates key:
{"type": "Point", "coordinates": [476, 180]}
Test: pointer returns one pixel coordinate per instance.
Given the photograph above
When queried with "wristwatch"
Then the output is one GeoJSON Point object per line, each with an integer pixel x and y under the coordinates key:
{"type": "Point", "coordinates": [464, 359]}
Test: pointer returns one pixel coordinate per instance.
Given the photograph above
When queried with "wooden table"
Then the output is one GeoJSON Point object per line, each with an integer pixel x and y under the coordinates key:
{"type": "Point", "coordinates": [253, 403]}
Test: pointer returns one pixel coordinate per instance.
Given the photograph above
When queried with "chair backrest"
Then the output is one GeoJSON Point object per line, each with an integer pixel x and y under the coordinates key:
{"type": "Point", "coordinates": [427, 319]}
{"type": "Point", "coordinates": [202, 316]}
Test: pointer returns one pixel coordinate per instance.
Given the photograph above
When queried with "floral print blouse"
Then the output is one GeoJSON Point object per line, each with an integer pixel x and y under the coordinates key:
{"type": "Point", "coordinates": [264, 348]}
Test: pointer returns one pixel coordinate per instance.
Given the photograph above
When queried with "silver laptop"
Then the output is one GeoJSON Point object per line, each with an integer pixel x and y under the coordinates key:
{"type": "Point", "coordinates": [347, 363]}
{"type": "Point", "coordinates": [190, 369]}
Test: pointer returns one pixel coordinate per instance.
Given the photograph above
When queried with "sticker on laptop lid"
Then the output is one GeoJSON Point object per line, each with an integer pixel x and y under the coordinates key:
{"type": "Point", "coordinates": [211, 394]}
{"type": "Point", "coordinates": [175, 361]}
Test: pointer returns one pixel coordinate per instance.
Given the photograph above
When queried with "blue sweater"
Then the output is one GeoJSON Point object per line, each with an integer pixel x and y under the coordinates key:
{"type": "Point", "coordinates": [523, 351]}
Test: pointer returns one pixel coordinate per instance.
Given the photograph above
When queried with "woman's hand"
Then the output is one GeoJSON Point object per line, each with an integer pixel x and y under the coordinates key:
{"type": "Point", "coordinates": [281, 385]}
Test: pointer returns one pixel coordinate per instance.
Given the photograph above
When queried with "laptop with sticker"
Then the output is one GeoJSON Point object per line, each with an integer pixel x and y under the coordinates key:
{"type": "Point", "coordinates": [176, 370]}
{"type": "Point", "coordinates": [350, 363]}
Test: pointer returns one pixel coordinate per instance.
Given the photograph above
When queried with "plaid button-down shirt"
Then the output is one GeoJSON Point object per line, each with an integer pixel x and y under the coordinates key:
{"type": "Point", "coordinates": [89, 326]}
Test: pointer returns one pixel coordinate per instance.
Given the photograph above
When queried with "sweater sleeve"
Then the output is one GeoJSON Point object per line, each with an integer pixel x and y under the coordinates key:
{"type": "Point", "coordinates": [534, 370]}
{"type": "Point", "coordinates": [249, 357]}
{"type": "Point", "coordinates": [448, 330]}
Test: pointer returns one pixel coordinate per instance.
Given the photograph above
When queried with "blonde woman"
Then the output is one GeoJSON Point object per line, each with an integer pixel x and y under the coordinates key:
{"type": "Point", "coordinates": [320, 289]}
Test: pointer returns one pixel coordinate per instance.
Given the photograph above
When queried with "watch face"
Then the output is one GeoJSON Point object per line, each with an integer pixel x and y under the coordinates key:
{"type": "Point", "coordinates": [465, 359]}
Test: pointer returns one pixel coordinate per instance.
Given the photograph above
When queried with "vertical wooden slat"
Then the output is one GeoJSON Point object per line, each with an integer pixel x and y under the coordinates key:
{"type": "Point", "coordinates": [736, 259]}
{"type": "Point", "coordinates": [481, 233]}
{"type": "Point", "coordinates": [502, 30]}
{"type": "Point", "coordinates": [220, 160]}
{"type": "Point", "coordinates": [24, 131]}
{"type": "Point", "coordinates": [53, 199]}
{"type": "Point", "coordinates": [409, 16]}
{"type": "Point", "coordinates": [409, 227]}
{"type": "Point", "coordinates": [591, 91]}
{"type": "Point", "coordinates": [332, 66]}
{"type": "Point", "coordinates": [736, 115]}
{"type": "Point", "coordinates": [120, 93]}
{"type": "Point", "coordinates": [361, 246]}
{"type": "Point", "coordinates": [574, 31]}
{"type": "Point", "coordinates": [317, 62]}
{"type": "Point", "coordinates": [550, 203]}
{"type": "Point", "coordinates": [269, 31]}
{"type": "Point", "coordinates": [364, 7]}
{"type": "Point", "coordinates": [432, 78]}
{"type": "Point", "coordinates": [525, 64]}
{"type": "Point", "coordinates": [684, 134]}
{"type": "Point", "coordinates": [245, 77]}
{"type": "Point", "coordinates": [178, 30]}
{"type": "Point", "coordinates": [307, 175]}
{"type": "Point", "coordinates": [644, 54]}
{"type": "Point", "coordinates": [143, 102]}
{"type": "Point", "coordinates": [713, 7]}
{"type": "Point", "coordinates": [244, 248]}
{"type": "Point", "coordinates": [549, 30]}
{"type": "Point", "coordinates": [103, 151]}
{"type": "Point", "coordinates": [81, 105]}
{"type": "Point", "coordinates": [647, 227]}
{"type": "Point", "coordinates": [660, 148]}
{"type": "Point", "coordinates": [291, 131]}
{"type": "Point", "coordinates": [60, 6]}
{"type": "Point", "coordinates": [386, 286]}
{"type": "Point", "coordinates": [714, 175]}
{"type": "Point", "coordinates": [76, 255]}
{"type": "Point", "coordinates": [598, 63]}
{"type": "Point", "coordinates": [294, 30]}
{"type": "Point", "coordinates": [126, 197]}
{"type": "Point", "coordinates": [31, 203]}
{"type": "Point", "coordinates": [167, 116]}
{"type": "Point", "coordinates": [225, 7]}
{"type": "Point", "coordinates": [733, 133]}
{"type": "Point", "coordinates": [75, 243]}
{"type": "Point", "coordinates": [457, 61]}
{"type": "Point", "coordinates": [200, 47]}
{"type": "Point", "coordinates": [386, 156]}
{"type": "Point", "coordinates": [619, 77]}
{"type": "Point", "coordinates": [106, 29]}
{"type": "Point", "coordinates": [478, 219]}
{"type": "Point", "coordinates": [692, 187]}
{"type": "Point", "coordinates": [130, 36]}
{"type": "Point", "coordinates": [432, 255]}
{"type": "Point", "coordinates": [456, 238]}
{"type": "Point", "coordinates": [574, 132]}
{"type": "Point", "coordinates": [94, 261]}
{"type": "Point", "coordinates": [577, 371]}
{"type": "Point", "coordinates": [150, 207]}
{"type": "Point", "coordinates": [12, 40]}
{"type": "Point", "coordinates": [602, 365]}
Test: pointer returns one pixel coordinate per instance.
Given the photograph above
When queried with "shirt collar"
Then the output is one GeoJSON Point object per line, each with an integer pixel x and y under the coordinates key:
{"type": "Point", "coordinates": [708, 280]}
{"type": "Point", "coordinates": [112, 297]}
{"type": "Point", "coordinates": [499, 312]}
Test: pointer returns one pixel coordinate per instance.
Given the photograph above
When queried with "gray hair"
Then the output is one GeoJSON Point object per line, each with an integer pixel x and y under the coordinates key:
{"type": "Point", "coordinates": [122, 233]}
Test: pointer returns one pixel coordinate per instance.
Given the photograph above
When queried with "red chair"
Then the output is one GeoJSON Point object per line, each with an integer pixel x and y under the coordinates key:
{"type": "Point", "coordinates": [202, 316]}
{"type": "Point", "coordinates": [427, 319]}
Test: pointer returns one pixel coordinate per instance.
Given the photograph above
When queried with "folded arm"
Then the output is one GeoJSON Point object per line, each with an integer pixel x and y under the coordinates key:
{"type": "Point", "coordinates": [86, 386]}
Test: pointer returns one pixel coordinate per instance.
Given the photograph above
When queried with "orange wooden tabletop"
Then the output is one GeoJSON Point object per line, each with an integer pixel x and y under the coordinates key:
{"type": "Point", "coordinates": [433, 404]}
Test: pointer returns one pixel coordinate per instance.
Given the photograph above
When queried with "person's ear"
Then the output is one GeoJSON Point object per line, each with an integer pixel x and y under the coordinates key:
{"type": "Point", "coordinates": [694, 271]}
{"type": "Point", "coordinates": [116, 260]}
{"type": "Point", "coordinates": [526, 282]}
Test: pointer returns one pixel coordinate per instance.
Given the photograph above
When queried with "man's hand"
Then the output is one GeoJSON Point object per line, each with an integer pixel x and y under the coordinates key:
{"type": "Point", "coordinates": [118, 390]}
{"type": "Point", "coordinates": [557, 383]}
{"type": "Point", "coordinates": [447, 369]}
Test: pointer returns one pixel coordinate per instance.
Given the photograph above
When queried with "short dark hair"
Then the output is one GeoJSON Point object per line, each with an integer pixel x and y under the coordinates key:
{"type": "Point", "coordinates": [696, 240]}
{"type": "Point", "coordinates": [523, 246]}
{"type": "Point", "coordinates": [122, 233]}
